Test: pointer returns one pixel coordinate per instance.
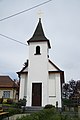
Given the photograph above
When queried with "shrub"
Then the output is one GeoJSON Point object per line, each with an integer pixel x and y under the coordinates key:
{"type": "Point", "coordinates": [46, 114]}
{"type": "Point", "coordinates": [13, 111]}
{"type": "Point", "coordinates": [27, 117]}
{"type": "Point", "coordinates": [21, 102]}
{"type": "Point", "coordinates": [49, 106]}
{"type": "Point", "coordinates": [9, 101]}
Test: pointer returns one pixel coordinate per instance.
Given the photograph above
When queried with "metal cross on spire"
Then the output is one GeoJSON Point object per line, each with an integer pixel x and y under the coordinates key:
{"type": "Point", "coordinates": [40, 13]}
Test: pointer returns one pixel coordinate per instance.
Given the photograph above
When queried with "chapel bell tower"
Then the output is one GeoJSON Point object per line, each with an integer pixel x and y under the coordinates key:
{"type": "Point", "coordinates": [39, 46]}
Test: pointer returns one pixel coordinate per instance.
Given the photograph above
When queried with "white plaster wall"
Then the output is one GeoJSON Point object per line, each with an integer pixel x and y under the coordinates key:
{"type": "Point", "coordinates": [1, 93]}
{"type": "Point", "coordinates": [38, 70]}
{"type": "Point", "coordinates": [23, 86]}
{"type": "Point", "coordinates": [11, 94]}
{"type": "Point", "coordinates": [38, 73]}
{"type": "Point", "coordinates": [52, 85]}
{"type": "Point", "coordinates": [52, 100]}
{"type": "Point", "coordinates": [14, 94]}
{"type": "Point", "coordinates": [51, 67]}
{"type": "Point", "coordinates": [58, 90]}
{"type": "Point", "coordinates": [54, 89]}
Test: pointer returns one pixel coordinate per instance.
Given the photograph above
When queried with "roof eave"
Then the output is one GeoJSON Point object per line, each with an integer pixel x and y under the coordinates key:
{"type": "Point", "coordinates": [39, 41]}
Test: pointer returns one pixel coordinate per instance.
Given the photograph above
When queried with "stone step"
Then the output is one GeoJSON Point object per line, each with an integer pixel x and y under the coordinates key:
{"type": "Point", "coordinates": [33, 109]}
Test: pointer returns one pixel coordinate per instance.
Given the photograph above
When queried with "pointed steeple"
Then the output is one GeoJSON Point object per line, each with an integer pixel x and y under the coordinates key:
{"type": "Point", "coordinates": [39, 35]}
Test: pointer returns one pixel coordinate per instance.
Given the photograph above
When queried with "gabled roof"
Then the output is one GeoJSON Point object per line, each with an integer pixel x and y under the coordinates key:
{"type": "Point", "coordinates": [54, 68]}
{"type": "Point", "coordinates": [23, 69]}
{"type": "Point", "coordinates": [54, 65]}
{"type": "Point", "coordinates": [38, 35]}
{"type": "Point", "coordinates": [7, 82]}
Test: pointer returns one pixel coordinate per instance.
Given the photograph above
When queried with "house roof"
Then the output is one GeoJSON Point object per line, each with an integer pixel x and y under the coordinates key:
{"type": "Point", "coordinates": [39, 35]}
{"type": "Point", "coordinates": [7, 82]}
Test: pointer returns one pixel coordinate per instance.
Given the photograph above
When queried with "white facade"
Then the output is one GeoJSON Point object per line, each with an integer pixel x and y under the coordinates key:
{"type": "Point", "coordinates": [40, 79]}
{"type": "Point", "coordinates": [38, 73]}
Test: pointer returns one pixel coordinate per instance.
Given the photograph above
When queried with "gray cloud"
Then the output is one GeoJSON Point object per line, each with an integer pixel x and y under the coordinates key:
{"type": "Point", "coordinates": [61, 23]}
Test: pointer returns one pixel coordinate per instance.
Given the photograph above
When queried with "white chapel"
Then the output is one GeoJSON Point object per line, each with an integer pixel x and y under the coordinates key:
{"type": "Point", "coordinates": [40, 79]}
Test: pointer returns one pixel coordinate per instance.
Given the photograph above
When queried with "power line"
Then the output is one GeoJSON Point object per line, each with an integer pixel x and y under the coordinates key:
{"type": "Point", "coordinates": [25, 10]}
{"type": "Point", "coordinates": [12, 39]}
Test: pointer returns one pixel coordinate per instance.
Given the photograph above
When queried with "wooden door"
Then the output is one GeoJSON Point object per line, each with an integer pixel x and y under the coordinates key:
{"type": "Point", "coordinates": [36, 94]}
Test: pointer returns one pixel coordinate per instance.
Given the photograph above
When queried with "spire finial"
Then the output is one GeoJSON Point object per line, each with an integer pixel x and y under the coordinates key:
{"type": "Point", "coordinates": [39, 19]}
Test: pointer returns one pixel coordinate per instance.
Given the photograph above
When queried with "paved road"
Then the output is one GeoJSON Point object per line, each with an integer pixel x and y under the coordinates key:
{"type": "Point", "coordinates": [15, 116]}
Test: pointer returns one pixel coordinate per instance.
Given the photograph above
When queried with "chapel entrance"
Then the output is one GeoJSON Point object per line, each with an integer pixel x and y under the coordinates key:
{"type": "Point", "coordinates": [36, 94]}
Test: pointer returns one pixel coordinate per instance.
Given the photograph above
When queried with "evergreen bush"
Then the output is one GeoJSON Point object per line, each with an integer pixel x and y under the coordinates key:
{"type": "Point", "coordinates": [21, 102]}
{"type": "Point", "coordinates": [49, 106]}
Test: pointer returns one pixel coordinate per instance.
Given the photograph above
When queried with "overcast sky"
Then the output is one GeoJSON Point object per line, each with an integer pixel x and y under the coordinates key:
{"type": "Point", "coordinates": [61, 24]}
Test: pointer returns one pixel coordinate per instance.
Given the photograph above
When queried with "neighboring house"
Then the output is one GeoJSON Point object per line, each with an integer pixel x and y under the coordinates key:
{"type": "Point", "coordinates": [8, 88]}
{"type": "Point", "coordinates": [40, 79]}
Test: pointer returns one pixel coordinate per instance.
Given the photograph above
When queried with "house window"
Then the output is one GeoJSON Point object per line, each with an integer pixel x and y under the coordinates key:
{"type": "Point", "coordinates": [6, 94]}
{"type": "Point", "coordinates": [37, 50]}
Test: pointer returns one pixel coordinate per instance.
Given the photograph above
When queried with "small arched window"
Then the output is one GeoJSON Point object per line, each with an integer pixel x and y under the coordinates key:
{"type": "Point", "coordinates": [38, 50]}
